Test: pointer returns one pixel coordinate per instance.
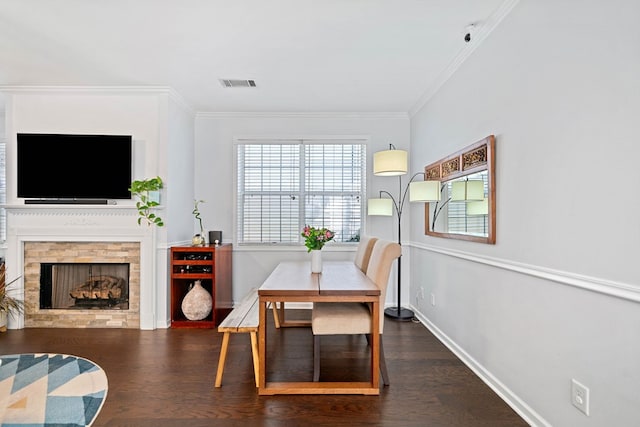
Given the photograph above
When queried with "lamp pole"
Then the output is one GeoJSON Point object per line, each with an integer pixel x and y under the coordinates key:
{"type": "Point", "coordinates": [399, 313]}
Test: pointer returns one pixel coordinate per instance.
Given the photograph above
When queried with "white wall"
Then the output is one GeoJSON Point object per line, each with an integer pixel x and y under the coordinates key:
{"type": "Point", "coordinates": [60, 111]}
{"type": "Point", "coordinates": [214, 165]}
{"type": "Point", "coordinates": [558, 295]}
{"type": "Point", "coordinates": [162, 129]}
{"type": "Point", "coordinates": [178, 155]}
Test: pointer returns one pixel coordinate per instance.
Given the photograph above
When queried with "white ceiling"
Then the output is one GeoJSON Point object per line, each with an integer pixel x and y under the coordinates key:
{"type": "Point", "coordinates": [305, 55]}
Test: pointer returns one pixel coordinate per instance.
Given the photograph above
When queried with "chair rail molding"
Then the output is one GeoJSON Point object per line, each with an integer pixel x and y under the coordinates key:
{"type": "Point", "coordinates": [607, 287]}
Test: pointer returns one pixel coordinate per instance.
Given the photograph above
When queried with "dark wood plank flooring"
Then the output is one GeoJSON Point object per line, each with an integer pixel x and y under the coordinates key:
{"type": "Point", "coordinates": [166, 378]}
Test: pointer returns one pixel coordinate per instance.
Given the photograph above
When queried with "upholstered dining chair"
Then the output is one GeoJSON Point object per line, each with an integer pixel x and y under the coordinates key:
{"type": "Point", "coordinates": [363, 252]}
{"type": "Point", "coordinates": [352, 318]}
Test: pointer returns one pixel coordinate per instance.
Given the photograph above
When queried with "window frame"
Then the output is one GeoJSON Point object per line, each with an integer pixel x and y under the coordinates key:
{"type": "Point", "coordinates": [269, 140]}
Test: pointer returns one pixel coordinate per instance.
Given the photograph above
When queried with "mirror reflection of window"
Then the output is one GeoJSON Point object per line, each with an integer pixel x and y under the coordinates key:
{"type": "Point", "coordinates": [466, 208]}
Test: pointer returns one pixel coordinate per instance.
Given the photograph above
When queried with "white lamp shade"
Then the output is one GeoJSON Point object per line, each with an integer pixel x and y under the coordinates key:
{"type": "Point", "coordinates": [424, 191]}
{"type": "Point", "coordinates": [478, 207]}
{"type": "Point", "coordinates": [390, 163]}
{"type": "Point", "coordinates": [475, 190]}
{"type": "Point", "coordinates": [467, 190]}
{"type": "Point", "coordinates": [380, 207]}
{"type": "Point", "coordinates": [458, 190]}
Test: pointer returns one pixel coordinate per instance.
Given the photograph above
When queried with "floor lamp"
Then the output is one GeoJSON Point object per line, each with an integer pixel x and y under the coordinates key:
{"type": "Point", "coordinates": [393, 162]}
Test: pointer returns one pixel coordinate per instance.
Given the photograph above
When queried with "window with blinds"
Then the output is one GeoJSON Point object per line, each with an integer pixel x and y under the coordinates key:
{"type": "Point", "coordinates": [285, 185]}
{"type": "Point", "coordinates": [458, 219]}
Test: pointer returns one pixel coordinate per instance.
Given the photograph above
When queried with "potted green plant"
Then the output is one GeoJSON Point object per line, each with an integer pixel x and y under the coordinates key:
{"type": "Point", "coordinates": [9, 306]}
{"type": "Point", "coordinates": [147, 191]}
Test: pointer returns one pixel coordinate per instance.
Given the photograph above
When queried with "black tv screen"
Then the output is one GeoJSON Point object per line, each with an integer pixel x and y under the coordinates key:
{"type": "Point", "coordinates": [57, 166]}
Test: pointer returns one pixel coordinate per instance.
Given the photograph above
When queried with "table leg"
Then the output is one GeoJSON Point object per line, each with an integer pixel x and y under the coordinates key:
{"type": "Point", "coordinates": [262, 345]}
{"type": "Point", "coordinates": [375, 345]}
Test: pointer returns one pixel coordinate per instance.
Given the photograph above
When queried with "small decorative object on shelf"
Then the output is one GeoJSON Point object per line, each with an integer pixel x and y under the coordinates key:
{"type": "Point", "coordinates": [197, 304]}
{"type": "Point", "coordinates": [198, 239]}
{"type": "Point", "coordinates": [314, 240]}
{"type": "Point", "coordinates": [215, 237]}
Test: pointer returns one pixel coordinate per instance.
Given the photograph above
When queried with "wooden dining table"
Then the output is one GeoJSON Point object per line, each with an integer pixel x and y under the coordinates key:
{"type": "Point", "coordinates": [340, 281]}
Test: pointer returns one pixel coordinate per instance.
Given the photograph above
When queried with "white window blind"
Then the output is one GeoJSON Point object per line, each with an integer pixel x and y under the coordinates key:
{"type": "Point", "coordinates": [459, 221]}
{"type": "Point", "coordinates": [285, 185]}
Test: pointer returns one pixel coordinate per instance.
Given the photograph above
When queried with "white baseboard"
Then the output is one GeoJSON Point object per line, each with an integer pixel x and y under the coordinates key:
{"type": "Point", "coordinates": [517, 404]}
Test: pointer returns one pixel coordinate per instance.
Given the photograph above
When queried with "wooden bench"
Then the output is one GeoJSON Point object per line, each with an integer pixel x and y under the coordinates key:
{"type": "Point", "coordinates": [243, 318]}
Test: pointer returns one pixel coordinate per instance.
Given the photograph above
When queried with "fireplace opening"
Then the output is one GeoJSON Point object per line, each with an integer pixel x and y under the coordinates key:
{"type": "Point", "coordinates": [103, 286]}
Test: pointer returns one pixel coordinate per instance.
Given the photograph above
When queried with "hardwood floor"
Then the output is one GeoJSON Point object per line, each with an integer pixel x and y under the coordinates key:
{"type": "Point", "coordinates": [166, 378]}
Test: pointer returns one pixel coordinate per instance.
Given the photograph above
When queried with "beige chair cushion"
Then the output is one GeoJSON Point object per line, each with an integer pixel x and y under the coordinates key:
{"type": "Point", "coordinates": [337, 318]}
{"type": "Point", "coordinates": [341, 318]}
{"type": "Point", "coordinates": [363, 253]}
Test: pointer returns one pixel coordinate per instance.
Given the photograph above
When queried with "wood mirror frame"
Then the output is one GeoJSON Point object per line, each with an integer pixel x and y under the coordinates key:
{"type": "Point", "coordinates": [477, 157]}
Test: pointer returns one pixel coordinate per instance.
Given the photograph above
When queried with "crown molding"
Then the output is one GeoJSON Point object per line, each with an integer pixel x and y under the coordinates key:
{"type": "Point", "coordinates": [296, 115]}
{"type": "Point", "coordinates": [483, 31]}
{"type": "Point", "coordinates": [120, 90]}
{"type": "Point", "coordinates": [88, 89]}
{"type": "Point", "coordinates": [175, 96]}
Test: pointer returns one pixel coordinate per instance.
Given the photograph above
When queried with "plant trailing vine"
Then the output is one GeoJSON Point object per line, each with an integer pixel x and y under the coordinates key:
{"type": "Point", "coordinates": [141, 189]}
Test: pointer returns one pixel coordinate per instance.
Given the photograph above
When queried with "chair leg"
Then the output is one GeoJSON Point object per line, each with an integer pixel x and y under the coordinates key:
{"type": "Point", "coordinates": [316, 358]}
{"type": "Point", "coordinates": [383, 365]}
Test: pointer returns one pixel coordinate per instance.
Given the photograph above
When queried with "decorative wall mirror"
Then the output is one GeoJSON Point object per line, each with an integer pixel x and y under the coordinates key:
{"type": "Point", "coordinates": [467, 206]}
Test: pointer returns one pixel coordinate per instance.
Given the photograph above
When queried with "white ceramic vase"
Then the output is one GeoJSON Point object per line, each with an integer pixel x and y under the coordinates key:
{"type": "Point", "coordinates": [316, 261]}
{"type": "Point", "coordinates": [197, 304]}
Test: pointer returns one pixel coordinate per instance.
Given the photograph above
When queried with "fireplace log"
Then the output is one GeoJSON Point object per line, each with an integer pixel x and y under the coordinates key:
{"type": "Point", "coordinates": [100, 287]}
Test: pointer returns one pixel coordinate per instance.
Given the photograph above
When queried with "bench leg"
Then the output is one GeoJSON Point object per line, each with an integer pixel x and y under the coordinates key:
{"type": "Point", "coordinates": [256, 360]}
{"type": "Point", "coordinates": [223, 358]}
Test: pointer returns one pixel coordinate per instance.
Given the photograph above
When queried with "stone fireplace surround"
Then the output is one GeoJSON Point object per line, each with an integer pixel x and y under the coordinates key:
{"type": "Point", "coordinates": [36, 253]}
{"type": "Point", "coordinates": [81, 234]}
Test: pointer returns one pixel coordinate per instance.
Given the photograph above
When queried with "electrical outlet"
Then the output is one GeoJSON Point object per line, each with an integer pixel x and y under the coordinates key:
{"type": "Point", "coordinates": [580, 396]}
{"type": "Point", "coordinates": [433, 300]}
{"type": "Point", "coordinates": [421, 294]}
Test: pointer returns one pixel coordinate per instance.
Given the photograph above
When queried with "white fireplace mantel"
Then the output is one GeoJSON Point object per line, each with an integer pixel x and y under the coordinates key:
{"type": "Point", "coordinates": [83, 224]}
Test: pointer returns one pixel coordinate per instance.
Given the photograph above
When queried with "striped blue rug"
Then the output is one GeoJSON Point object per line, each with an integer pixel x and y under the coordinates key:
{"type": "Point", "coordinates": [50, 390]}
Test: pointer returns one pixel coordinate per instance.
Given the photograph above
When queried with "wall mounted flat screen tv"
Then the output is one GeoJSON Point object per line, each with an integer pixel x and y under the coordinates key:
{"type": "Point", "coordinates": [73, 167]}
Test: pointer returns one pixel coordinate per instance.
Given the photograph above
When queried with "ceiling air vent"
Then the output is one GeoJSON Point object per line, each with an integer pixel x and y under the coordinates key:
{"type": "Point", "coordinates": [237, 83]}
